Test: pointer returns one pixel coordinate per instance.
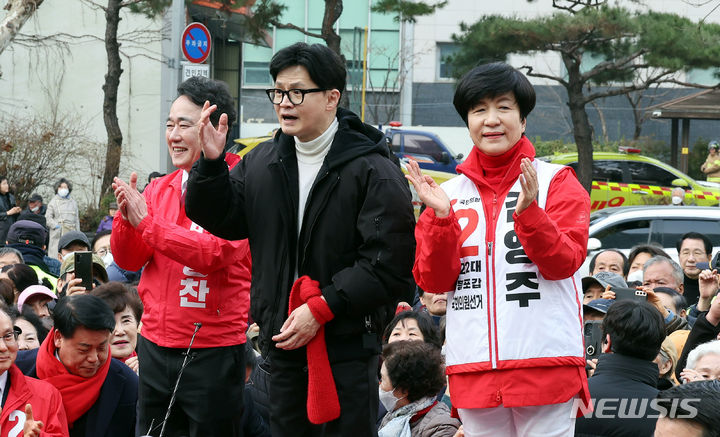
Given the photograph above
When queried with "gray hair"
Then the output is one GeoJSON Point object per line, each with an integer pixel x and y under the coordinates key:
{"type": "Point", "coordinates": [677, 271]}
{"type": "Point", "coordinates": [12, 251]}
{"type": "Point", "coordinates": [709, 348]}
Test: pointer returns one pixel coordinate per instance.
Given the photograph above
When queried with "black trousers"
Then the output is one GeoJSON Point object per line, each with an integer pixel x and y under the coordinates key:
{"type": "Point", "coordinates": [357, 385]}
{"type": "Point", "coordinates": [209, 399]}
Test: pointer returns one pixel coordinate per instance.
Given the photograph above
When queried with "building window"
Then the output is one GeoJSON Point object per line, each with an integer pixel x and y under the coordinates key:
{"type": "Point", "coordinates": [445, 49]}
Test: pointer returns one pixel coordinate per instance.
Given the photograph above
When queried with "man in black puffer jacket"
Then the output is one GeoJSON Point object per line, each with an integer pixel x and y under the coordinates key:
{"type": "Point", "coordinates": [329, 216]}
{"type": "Point", "coordinates": [625, 379]}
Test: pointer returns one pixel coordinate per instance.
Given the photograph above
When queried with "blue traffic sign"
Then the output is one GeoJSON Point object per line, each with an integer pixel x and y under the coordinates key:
{"type": "Point", "coordinates": [196, 43]}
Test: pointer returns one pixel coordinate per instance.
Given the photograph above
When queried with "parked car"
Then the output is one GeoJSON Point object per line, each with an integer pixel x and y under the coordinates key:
{"type": "Point", "coordinates": [424, 147]}
{"type": "Point", "coordinates": [243, 145]}
{"type": "Point", "coordinates": [623, 179]}
{"type": "Point", "coordinates": [624, 227]}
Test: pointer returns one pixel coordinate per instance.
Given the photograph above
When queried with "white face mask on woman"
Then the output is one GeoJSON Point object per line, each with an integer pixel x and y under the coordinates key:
{"type": "Point", "coordinates": [388, 399]}
{"type": "Point", "coordinates": [63, 192]}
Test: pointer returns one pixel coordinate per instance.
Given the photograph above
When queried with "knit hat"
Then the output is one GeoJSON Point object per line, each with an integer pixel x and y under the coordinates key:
{"type": "Point", "coordinates": [27, 232]}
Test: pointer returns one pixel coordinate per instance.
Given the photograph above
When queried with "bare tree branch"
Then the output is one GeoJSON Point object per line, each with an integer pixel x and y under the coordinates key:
{"type": "Point", "coordinates": [530, 72]}
{"type": "Point", "coordinates": [294, 27]}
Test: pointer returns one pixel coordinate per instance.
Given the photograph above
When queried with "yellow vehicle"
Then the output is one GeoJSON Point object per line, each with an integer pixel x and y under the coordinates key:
{"type": "Point", "coordinates": [243, 145]}
{"type": "Point", "coordinates": [628, 178]}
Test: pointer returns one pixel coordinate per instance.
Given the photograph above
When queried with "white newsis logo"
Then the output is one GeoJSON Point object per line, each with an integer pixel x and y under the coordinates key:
{"type": "Point", "coordinates": [624, 408]}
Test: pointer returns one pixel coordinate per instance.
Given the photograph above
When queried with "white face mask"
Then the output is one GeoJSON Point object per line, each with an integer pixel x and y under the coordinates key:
{"type": "Point", "coordinates": [107, 259]}
{"type": "Point", "coordinates": [388, 399]}
{"type": "Point", "coordinates": [677, 200]}
{"type": "Point", "coordinates": [637, 275]}
{"type": "Point", "coordinates": [63, 192]}
{"type": "Point", "coordinates": [35, 209]}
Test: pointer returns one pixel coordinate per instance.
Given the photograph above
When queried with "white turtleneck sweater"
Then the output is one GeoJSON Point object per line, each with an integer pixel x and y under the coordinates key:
{"type": "Point", "coordinates": [310, 156]}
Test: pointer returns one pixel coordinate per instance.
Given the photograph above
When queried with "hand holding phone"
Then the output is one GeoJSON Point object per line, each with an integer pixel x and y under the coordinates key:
{"type": "Point", "coordinates": [83, 269]}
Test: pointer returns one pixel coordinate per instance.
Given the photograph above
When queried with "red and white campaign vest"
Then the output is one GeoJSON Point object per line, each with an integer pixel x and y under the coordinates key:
{"type": "Point", "coordinates": [503, 314]}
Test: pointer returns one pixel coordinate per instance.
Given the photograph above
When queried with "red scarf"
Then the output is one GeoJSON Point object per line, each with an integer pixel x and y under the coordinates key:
{"type": "Point", "coordinates": [322, 401]}
{"type": "Point", "coordinates": [499, 172]}
{"type": "Point", "coordinates": [133, 354]}
{"type": "Point", "coordinates": [78, 393]}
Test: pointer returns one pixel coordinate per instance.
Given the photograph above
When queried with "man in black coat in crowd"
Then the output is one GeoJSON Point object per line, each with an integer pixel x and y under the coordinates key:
{"type": "Point", "coordinates": [625, 379]}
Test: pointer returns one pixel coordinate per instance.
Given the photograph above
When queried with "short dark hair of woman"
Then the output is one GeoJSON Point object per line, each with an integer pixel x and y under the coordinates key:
{"type": "Point", "coordinates": [427, 327]}
{"type": "Point", "coordinates": [84, 310]}
{"type": "Point", "coordinates": [28, 314]}
{"type": "Point", "coordinates": [323, 65]}
{"type": "Point", "coordinates": [636, 329]}
{"type": "Point", "coordinates": [200, 89]}
{"type": "Point", "coordinates": [22, 276]}
{"type": "Point", "coordinates": [416, 367]}
{"type": "Point", "coordinates": [645, 248]}
{"type": "Point", "coordinates": [489, 81]}
{"type": "Point", "coordinates": [7, 291]}
{"type": "Point", "coordinates": [117, 296]}
{"type": "Point", "coordinates": [63, 181]}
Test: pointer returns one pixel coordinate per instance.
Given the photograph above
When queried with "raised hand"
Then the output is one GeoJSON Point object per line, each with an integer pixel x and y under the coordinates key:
{"type": "Point", "coordinates": [212, 139]}
{"type": "Point", "coordinates": [32, 427]}
{"type": "Point", "coordinates": [708, 286]}
{"type": "Point", "coordinates": [130, 201]}
{"type": "Point", "coordinates": [529, 184]}
{"type": "Point", "coordinates": [430, 193]}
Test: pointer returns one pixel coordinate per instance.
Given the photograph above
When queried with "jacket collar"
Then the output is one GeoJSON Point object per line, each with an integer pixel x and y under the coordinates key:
{"type": "Point", "coordinates": [353, 139]}
{"type": "Point", "coordinates": [631, 368]}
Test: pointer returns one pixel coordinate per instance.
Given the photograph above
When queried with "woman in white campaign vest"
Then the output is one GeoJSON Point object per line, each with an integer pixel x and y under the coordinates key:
{"type": "Point", "coordinates": [506, 239]}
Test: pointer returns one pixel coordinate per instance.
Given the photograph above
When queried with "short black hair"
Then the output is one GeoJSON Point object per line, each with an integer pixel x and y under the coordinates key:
{"type": "Point", "coordinates": [416, 367]}
{"type": "Point", "coordinates": [324, 66]}
{"type": "Point", "coordinates": [427, 327]}
{"type": "Point", "coordinates": [626, 264]}
{"type": "Point", "coordinates": [678, 299]}
{"type": "Point", "coordinates": [636, 329]}
{"type": "Point", "coordinates": [200, 89]}
{"type": "Point", "coordinates": [99, 235]}
{"type": "Point", "coordinates": [22, 275]}
{"type": "Point", "coordinates": [652, 249]}
{"type": "Point", "coordinates": [7, 292]}
{"type": "Point", "coordinates": [118, 296]}
{"type": "Point", "coordinates": [84, 310]}
{"type": "Point", "coordinates": [63, 181]}
{"type": "Point", "coordinates": [695, 236]}
{"type": "Point", "coordinates": [491, 80]}
{"type": "Point", "coordinates": [702, 406]}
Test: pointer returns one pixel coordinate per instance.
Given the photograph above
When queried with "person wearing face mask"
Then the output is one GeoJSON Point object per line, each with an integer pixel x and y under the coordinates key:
{"type": "Point", "coordinates": [412, 373]}
{"type": "Point", "coordinates": [62, 214]}
{"type": "Point", "coordinates": [8, 210]}
{"type": "Point", "coordinates": [678, 197]}
{"type": "Point", "coordinates": [101, 247]}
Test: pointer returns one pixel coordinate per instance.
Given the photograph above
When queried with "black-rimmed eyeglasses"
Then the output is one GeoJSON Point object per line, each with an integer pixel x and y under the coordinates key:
{"type": "Point", "coordinates": [296, 96]}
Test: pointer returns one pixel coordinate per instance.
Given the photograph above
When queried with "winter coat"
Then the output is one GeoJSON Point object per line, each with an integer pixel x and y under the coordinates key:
{"type": "Point", "coordinates": [189, 276]}
{"type": "Point", "coordinates": [356, 237]}
{"type": "Point", "coordinates": [62, 217]}
{"type": "Point", "coordinates": [619, 379]}
{"type": "Point", "coordinates": [7, 201]}
{"type": "Point", "coordinates": [435, 423]}
{"type": "Point", "coordinates": [46, 404]}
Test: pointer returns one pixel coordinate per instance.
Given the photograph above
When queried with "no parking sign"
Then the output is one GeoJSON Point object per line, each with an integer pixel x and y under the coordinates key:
{"type": "Point", "coordinates": [196, 43]}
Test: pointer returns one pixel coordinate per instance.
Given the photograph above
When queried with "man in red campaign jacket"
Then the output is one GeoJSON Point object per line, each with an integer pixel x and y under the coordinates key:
{"type": "Point", "coordinates": [28, 404]}
{"type": "Point", "coordinates": [505, 238]}
{"type": "Point", "coordinates": [190, 277]}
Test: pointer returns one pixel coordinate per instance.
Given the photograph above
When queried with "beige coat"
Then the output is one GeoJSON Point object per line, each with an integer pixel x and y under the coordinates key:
{"type": "Point", "coordinates": [62, 216]}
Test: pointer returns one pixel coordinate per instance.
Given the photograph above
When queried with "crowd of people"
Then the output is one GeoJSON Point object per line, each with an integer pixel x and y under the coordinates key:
{"type": "Point", "coordinates": [293, 292]}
